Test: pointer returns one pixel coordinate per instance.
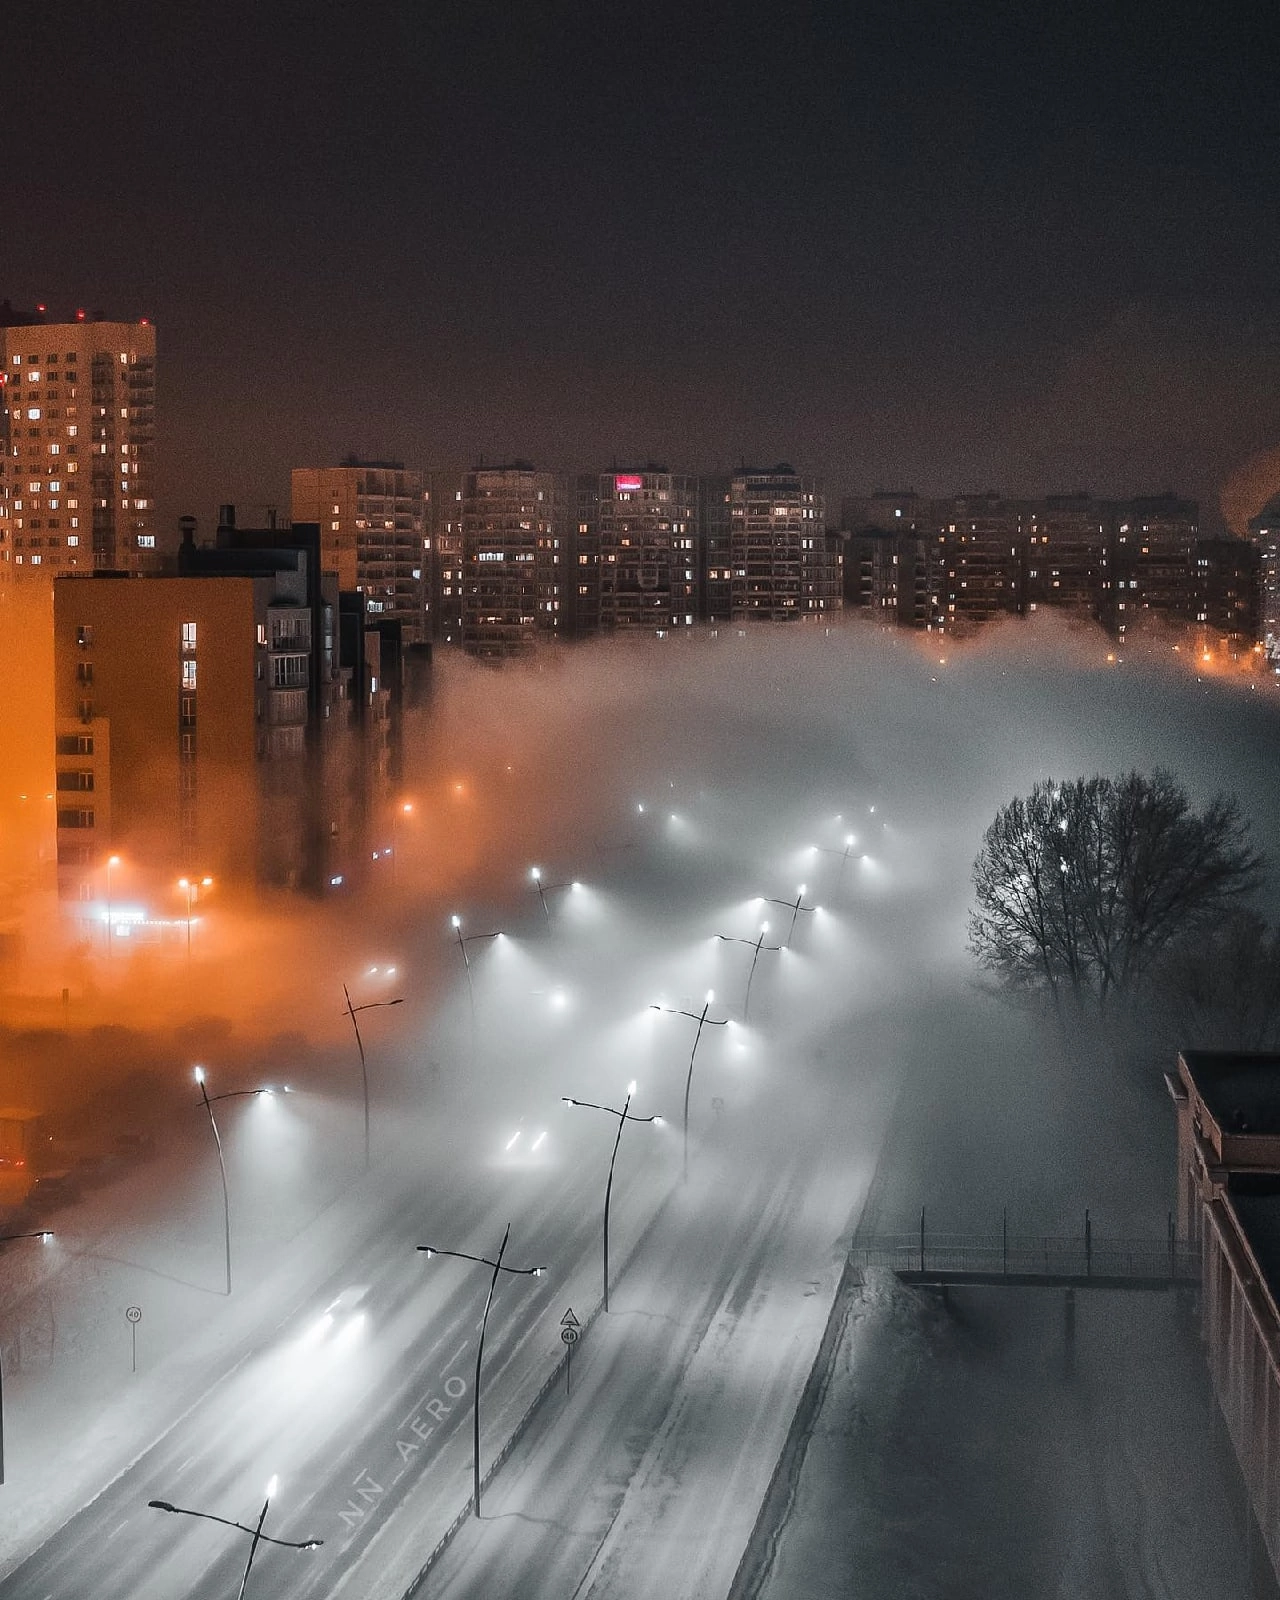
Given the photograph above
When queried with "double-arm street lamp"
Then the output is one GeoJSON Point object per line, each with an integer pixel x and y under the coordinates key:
{"type": "Point", "coordinates": [543, 889]}
{"type": "Point", "coordinates": [624, 1115]}
{"type": "Point", "coordinates": [795, 907]}
{"type": "Point", "coordinates": [209, 1102]}
{"type": "Point", "coordinates": [498, 1266]}
{"type": "Point", "coordinates": [6, 1238]}
{"type": "Point", "coordinates": [463, 941]}
{"type": "Point", "coordinates": [757, 945]}
{"type": "Point", "coordinates": [369, 1005]}
{"type": "Point", "coordinates": [191, 887]}
{"type": "Point", "coordinates": [844, 855]}
{"type": "Point", "coordinates": [700, 1017]}
{"type": "Point", "coordinates": [256, 1535]}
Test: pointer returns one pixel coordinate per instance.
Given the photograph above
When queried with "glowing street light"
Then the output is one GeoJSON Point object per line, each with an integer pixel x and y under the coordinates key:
{"type": "Point", "coordinates": [369, 1005]}
{"type": "Point", "coordinates": [192, 887]}
{"type": "Point", "coordinates": [700, 1017]}
{"type": "Point", "coordinates": [209, 1101]}
{"type": "Point", "coordinates": [757, 945]}
{"type": "Point", "coordinates": [463, 941]}
{"type": "Point", "coordinates": [536, 874]}
{"type": "Point", "coordinates": [795, 907]}
{"type": "Point", "coordinates": [498, 1266]}
{"type": "Point", "coordinates": [844, 855]}
{"type": "Point", "coordinates": [112, 862]}
{"type": "Point", "coordinates": [6, 1238]}
{"type": "Point", "coordinates": [255, 1533]}
{"type": "Point", "coordinates": [623, 1116]}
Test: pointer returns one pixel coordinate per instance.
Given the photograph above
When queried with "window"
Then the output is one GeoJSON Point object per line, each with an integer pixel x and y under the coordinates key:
{"type": "Point", "coordinates": [147, 541]}
{"type": "Point", "coordinates": [75, 744]}
{"type": "Point", "coordinates": [188, 635]}
{"type": "Point", "coordinates": [75, 780]}
{"type": "Point", "coordinates": [189, 674]}
{"type": "Point", "coordinates": [75, 819]}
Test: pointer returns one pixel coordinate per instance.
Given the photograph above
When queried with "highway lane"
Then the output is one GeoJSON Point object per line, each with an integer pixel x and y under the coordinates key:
{"type": "Point", "coordinates": [334, 1414]}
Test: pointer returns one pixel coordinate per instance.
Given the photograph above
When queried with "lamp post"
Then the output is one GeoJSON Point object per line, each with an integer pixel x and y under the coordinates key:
{"type": "Point", "coordinates": [757, 945]}
{"type": "Point", "coordinates": [369, 1005]}
{"type": "Point", "coordinates": [623, 1116]}
{"type": "Point", "coordinates": [516, 1272]}
{"type": "Point", "coordinates": [795, 907]}
{"type": "Point", "coordinates": [192, 889]}
{"type": "Point", "coordinates": [208, 1101]}
{"type": "Point", "coordinates": [844, 855]}
{"type": "Point", "coordinates": [463, 941]}
{"type": "Point", "coordinates": [256, 1535]}
{"type": "Point", "coordinates": [700, 1017]}
{"type": "Point", "coordinates": [5, 1238]}
{"type": "Point", "coordinates": [112, 861]}
{"type": "Point", "coordinates": [404, 809]}
{"type": "Point", "coordinates": [536, 874]}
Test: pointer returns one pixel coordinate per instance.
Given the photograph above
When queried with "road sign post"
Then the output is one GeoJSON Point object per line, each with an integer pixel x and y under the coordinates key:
{"type": "Point", "coordinates": [570, 1328]}
{"type": "Point", "coordinates": [133, 1316]}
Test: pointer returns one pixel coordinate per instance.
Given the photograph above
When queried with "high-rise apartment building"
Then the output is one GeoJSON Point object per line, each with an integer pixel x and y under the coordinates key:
{"type": "Point", "coordinates": [783, 567]}
{"type": "Point", "coordinates": [371, 525]}
{"type": "Point", "coordinates": [1264, 530]}
{"type": "Point", "coordinates": [77, 447]}
{"type": "Point", "coordinates": [517, 547]}
{"type": "Point", "coordinates": [647, 525]}
{"type": "Point", "coordinates": [1066, 554]}
{"type": "Point", "coordinates": [978, 574]}
{"type": "Point", "coordinates": [442, 548]}
{"type": "Point", "coordinates": [1153, 568]}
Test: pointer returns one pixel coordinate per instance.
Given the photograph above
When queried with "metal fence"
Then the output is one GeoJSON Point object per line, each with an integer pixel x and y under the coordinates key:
{"type": "Point", "coordinates": [1022, 1257]}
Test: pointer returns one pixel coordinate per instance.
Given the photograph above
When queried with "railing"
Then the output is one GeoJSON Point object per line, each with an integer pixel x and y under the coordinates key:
{"type": "Point", "coordinates": [1026, 1257]}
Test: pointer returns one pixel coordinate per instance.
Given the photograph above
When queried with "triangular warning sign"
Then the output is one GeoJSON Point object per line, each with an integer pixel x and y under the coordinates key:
{"type": "Point", "coordinates": [569, 1320]}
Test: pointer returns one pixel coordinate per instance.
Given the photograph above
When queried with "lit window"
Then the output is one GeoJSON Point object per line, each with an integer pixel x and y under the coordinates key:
{"type": "Point", "coordinates": [147, 541]}
{"type": "Point", "coordinates": [33, 413]}
{"type": "Point", "coordinates": [188, 674]}
{"type": "Point", "coordinates": [74, 538]}
{"type": "Point", "coordinates": [188, 635]}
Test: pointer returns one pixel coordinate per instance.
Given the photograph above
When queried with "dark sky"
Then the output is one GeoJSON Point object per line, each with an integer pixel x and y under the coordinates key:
{"type": "Point", "coordinates": [1033, 248]}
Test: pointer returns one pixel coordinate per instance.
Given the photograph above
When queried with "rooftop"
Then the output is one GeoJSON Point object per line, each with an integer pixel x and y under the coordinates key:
{"type": "Point", "coordinates": [1240, 1088]}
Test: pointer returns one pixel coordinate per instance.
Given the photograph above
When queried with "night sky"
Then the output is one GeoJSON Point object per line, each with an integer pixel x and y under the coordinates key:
{"type": "Point", "coordinates": [1035, 249]}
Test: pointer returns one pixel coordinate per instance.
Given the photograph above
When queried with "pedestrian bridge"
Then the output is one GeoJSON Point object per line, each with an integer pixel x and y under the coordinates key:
{"type": "Point", "coordinates": [1021, 1261]}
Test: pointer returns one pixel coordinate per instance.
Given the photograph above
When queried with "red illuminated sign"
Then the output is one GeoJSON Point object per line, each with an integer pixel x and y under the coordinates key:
{"type": "Point", "coordinates": [628, 485]}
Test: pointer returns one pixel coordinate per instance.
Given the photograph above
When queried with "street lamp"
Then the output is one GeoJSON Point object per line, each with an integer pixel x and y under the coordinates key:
{"type": "Point", "coordinates": [463, 941]}
{"type": "Point", "coordinates": [256, 1534]}
{"type": "Point", "coordinates": [192, 888]}
{"type": "Point", "coordinates": [497, 1264]}
{"type": "Point", "coordinates": [700, 1017]}
{"type": "Point", "coordinates": [844, 855]}
{"type": "Point", "coordinates": [757, 945]}
{"type": "Point", "coordinates": [404, 809]}
{"type": "Point", "coordinates": [536, 874]}
{"type": "Point", "coordinates": [623, 1116]}
{"type": "Point", "coordinates": [369, 1005]}
{"type": "Point", "coordinates": [5, 1238]}
{"type": "Point", "coordinates": [112, 861]}
{"type": "Point", "coordinates": [795, 907]}
{"type": "Point", "coordinates": [209, 1100]}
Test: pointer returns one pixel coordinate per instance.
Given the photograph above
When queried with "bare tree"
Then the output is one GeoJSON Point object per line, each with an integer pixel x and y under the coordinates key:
{"type": "Point", "coordinates": [1080, 886]}
{"type": "Point", "coordinates": [1221, 988]}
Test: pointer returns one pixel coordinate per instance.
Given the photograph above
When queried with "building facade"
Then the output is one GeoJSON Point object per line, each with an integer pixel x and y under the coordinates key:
{"type": "Point", "coordinates": [371, 517]}
{"type": "Point", "coordinates": [782, 566]}
{"type": "Point", "coordinates": [517, 548]}
{"type": "Point", "coordinates": [77, 448]}
{"type": "Point", "coordinates": [647, 524]}
{"type": "Point", "coordinates": [1228, 1109]}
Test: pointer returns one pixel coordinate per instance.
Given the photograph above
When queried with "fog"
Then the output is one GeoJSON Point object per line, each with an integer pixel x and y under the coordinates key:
{"type": "Point", "coordinates": [668, 791]}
